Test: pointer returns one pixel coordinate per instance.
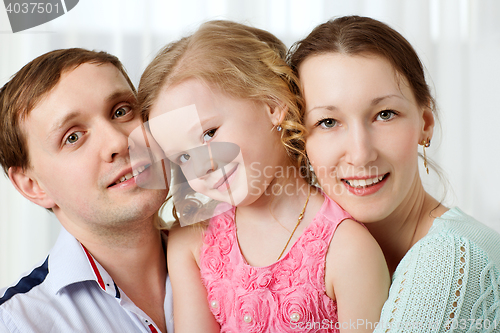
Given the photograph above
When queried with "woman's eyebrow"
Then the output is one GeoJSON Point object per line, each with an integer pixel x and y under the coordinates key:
{"type": "Point", "coordinates": [326, 107]}
{"type": "Point", "coordinates": [374, 101]}
{"type": "Point", "coordinates": [377, 100]}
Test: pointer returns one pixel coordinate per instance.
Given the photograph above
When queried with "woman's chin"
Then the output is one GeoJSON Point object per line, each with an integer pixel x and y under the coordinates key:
{"type": "Point", "coordinates": [366, 212]}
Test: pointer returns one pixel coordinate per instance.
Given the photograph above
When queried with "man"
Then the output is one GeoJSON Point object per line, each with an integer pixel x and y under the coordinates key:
{"type": "Point", "coordinates": [64, 143]}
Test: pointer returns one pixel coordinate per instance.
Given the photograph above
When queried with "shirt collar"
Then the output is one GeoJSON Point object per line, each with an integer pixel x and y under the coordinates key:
{"type": "Point", "coordinates": [70, 262]}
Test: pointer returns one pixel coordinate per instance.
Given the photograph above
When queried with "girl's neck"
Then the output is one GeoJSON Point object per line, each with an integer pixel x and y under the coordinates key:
{"type": "Point", "coordinates": [406, 225]}
{"type": "Point", "coordinates": [271, 225]}
{"type": "Point", "coordinates": [279, 196]}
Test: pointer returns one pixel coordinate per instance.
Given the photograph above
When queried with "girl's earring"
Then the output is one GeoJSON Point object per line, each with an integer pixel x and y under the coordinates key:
{"type": "Point", "coordinates": [279, 128]}
{"type": "Point", "coordinates": [426, 144]}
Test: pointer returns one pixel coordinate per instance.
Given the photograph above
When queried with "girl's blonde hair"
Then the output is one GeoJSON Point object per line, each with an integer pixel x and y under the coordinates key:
{"type": "Point", "coordinates": [239, 60]}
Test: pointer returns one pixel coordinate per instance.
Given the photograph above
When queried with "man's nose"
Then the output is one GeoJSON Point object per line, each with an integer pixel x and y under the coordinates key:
{"type": "Point", "coordinates": [114, 142]}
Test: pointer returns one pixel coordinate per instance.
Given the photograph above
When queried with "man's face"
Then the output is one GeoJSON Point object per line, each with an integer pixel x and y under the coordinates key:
{"type": "Point", "coordinates": [79, 151]}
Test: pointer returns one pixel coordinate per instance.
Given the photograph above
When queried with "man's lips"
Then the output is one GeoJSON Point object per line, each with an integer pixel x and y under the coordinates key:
{"type": "Point", "coordinates": [129, 173]}
{"type": "Point", "coordinates": [225, 179]}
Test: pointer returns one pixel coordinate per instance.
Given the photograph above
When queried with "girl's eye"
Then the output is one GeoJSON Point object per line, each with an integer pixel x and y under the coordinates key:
{"type": "Point", "coordinates": [386, 115]}
{"type": "Point", "coordinates": [73, 138]}
{"type": "Point", "coordinates": [184, 158]}
{"type": "Point", "coordinates": [122, 111]}
{"type": "Point", "coordinates": [327, 123]}
{"type": "Point", "coordinates": [209, 135]}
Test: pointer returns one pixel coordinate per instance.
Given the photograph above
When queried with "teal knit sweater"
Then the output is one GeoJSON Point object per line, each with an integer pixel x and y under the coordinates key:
{"type": "Point", "coordinates": [449, 281]}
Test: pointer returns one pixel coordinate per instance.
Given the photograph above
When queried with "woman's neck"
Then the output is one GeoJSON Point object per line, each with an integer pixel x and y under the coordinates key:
{"type": "Point", "coordinates": [406, 225]}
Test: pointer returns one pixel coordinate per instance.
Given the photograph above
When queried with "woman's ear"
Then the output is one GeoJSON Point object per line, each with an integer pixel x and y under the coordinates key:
{"type": "Point", "coordinates": [29, 187]}
{"type": "Point", "coordinates": [428, 124]}
{"type": "Point", "coordinates": [277, 113]}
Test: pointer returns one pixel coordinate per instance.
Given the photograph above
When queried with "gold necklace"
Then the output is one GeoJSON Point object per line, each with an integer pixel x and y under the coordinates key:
{"type": "Point", "coordinates": [301, 216]}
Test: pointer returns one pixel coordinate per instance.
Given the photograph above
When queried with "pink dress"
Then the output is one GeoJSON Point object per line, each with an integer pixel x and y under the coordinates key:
{"type": "Point", "coordinates": [287, 296]}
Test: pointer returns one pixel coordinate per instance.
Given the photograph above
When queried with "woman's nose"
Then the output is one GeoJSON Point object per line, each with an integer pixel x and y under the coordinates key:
{"type": "Point", "coordinates": [360, 150]}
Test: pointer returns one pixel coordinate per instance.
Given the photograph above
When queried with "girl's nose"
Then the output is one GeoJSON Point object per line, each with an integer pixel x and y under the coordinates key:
{"type": "Point", "coordinates": [202, 161]}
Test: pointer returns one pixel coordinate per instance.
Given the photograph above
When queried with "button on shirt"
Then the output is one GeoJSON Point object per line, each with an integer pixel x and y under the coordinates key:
{"type": "Point", "coordinates": [71, 292]}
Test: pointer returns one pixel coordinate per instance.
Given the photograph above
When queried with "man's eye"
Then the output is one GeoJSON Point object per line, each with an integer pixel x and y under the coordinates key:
{"type": "Point", "coordinates": [122, 111]}
{"type": "Point", "coordinates": [73, 138]}
{"type": "Point", "coordinates": [209, 134]}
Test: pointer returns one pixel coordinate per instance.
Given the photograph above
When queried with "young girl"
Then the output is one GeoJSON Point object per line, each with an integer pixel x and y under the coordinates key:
{"type": "Point", "coordinates": [368, 107]}
{"type": "Point", "coordinates": [285, 256]}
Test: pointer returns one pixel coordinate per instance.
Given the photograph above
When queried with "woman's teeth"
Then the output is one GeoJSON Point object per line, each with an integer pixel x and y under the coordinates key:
{"type": "Point", "coordinates": [364, 182]}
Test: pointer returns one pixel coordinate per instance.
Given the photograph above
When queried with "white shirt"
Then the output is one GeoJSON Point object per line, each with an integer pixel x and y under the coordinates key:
{"type": "Point", "coordinates": [71, 292]}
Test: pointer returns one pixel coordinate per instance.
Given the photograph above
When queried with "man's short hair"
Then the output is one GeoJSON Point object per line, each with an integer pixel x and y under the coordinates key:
{"type": "Point", "coordinates": [28, 87]}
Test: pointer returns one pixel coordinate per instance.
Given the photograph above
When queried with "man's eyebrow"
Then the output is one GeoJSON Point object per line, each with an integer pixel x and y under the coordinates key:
{"type": "Point", "coordinates": [117, 95]}
{"type": "Point", "coordinates": [122, 94]}
{"type": "Point", "coordinates": [62, 122]}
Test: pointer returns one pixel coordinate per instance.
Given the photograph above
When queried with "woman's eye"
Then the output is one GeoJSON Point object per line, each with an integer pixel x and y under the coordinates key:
{"type": "Point", "coordinates": [73, 138]}
{"type": "Point", "coordinates": [386, 115]}
{"type": "Point", "coordinates": [121, 112]}
{"type": "Point", "coordinates": [327, 123]}
{"type": "Point", "coordinates": [184, 158]}
{"type": "Point", "coordinates": [209, 135]}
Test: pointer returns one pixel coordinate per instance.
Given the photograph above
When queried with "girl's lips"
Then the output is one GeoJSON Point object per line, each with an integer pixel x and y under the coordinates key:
{"type": "Point", "coordinates": [223, 183]}
{"type": "Point", "coordinates": [365, 190]}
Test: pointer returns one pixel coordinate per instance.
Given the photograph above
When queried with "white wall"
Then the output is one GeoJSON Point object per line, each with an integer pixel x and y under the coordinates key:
{"type": "Point", "coordinates": [458, 41]}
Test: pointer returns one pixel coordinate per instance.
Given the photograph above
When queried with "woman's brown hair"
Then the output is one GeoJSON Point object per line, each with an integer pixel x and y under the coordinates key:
{"type": "Point", "coordinates": [356, 35]}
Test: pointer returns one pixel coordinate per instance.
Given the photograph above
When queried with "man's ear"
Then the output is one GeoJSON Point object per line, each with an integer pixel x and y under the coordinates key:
{"type": "Point", "coordinates": [428, 125]}
{"type": "Point", "coordinates": [277, 113]}
{"type": "Point", "coordinates": [29, 187]}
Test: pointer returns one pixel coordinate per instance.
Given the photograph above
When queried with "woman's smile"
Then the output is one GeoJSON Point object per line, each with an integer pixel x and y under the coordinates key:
{"type": "Point", "coordinates": [364, 127]}
{"type": "Point", "coordinates": [365, 186]}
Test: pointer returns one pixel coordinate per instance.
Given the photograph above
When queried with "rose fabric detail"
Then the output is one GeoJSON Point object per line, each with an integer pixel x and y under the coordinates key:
{"type": "Point", "coordinates": [287, 296]}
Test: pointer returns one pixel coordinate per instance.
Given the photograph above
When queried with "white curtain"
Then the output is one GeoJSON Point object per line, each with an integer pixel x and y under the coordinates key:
{"type": "Point", "coordinates": [458, 41]}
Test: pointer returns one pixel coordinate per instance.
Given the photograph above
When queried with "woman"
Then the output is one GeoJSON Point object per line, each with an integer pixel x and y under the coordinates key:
{"type": "Point", "coordinates": [368, 108]}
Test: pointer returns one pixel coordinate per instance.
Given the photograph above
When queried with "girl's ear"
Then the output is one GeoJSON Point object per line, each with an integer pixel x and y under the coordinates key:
{"type": "Point", "coordinates": [277, 113]}
{"type": "Point", "coordinates": [428, 125]}
{"type": "Point", "coordinates": [29, 187]}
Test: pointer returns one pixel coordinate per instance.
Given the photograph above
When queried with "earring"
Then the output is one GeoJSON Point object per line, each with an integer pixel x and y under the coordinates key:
{"type": "Point", "coordinates": [278, 128]}
{"type": "Point", "coordinates": [426, 144]}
